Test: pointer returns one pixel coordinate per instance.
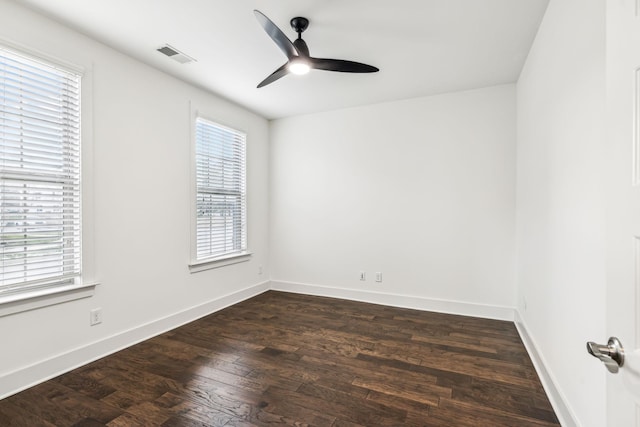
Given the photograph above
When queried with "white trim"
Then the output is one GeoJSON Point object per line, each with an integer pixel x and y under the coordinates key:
{"type": "Point", "coordinates": [54, 61]}
{"type": "Point", "coordinates": [394, 300]}
{"type": "Point", "coordinates": [37, 298]}
{"type": "Point", "coordinates": [193, 116]}
{"type": "Point", "coordinates": [563, 411]}
{"type": "Point", "coordinates": [23, 378]}
{"type": "Point", "coordinates": [209, 264]}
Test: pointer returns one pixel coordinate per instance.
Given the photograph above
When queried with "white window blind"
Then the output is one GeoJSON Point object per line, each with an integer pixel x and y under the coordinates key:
{"type": "Point", "coordinates": [220, 191]}
{"type": "Point", "coordinates": [39, 174]}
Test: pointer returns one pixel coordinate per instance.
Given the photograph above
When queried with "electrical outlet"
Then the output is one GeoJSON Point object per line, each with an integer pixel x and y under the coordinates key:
{"type": "Point", "coordinates": [378, 277]}
{"type": "Point", "coordinates": [259, 269]}
{"type": "Point", "coordinates": [95, 316]}
{"type": "Point", "coordinates": [363, 276]}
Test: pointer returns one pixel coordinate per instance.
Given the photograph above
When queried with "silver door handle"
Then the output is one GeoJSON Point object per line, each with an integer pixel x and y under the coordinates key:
{"type": "Point", "coordinates": [611, 354]}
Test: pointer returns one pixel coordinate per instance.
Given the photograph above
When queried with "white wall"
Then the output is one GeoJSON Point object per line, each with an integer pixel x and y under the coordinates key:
{"type": "Point", "coordinates": [140, 219]}
{"type": "Point", "coordinates": [422, 190]}
{"type": "Point", "coordinates": [561, 271]}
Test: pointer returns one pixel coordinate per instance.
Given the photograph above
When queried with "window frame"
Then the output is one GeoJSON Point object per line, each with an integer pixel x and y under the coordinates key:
{"type": "Point", "coordinates": [84, 285]}
{"type": "Point", "coordinates": [195, 264]}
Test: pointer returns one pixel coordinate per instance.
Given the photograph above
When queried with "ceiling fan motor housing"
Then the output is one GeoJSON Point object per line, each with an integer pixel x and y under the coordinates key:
{"type": "Point", "coordinates": [299, 24]}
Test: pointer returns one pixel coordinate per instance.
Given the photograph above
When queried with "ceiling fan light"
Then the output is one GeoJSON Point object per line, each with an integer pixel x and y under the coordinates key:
{"type": "Point", "coordinates": [299, 66]}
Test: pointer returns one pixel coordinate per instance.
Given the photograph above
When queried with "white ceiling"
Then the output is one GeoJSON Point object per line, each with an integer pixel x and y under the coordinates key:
{"type": "Point", "coordinates": [422, 47]}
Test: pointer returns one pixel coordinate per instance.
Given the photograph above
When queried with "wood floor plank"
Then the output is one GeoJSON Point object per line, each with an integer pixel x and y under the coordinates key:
{"type": "Point", "coordinates": [60, 405]}
{"type": "Point", "coordinates": [190, 411]}
{"type": "Point", "coordinates": [425, 394]}
{"type": "Point", "coordinates": [291, 411]}
{"type": "Point", "coordinates": [341, 405]}
{"type": "Point", "coordinates": [502, 396]}
{"type": "Point", "coordinates": [451, 412]}
{"type": "Point", "coordinates": [298, 360]}
{"type": "Point", "coordinates": [16, 416]}
{"type": "Point", "coordinates": [85, 385]}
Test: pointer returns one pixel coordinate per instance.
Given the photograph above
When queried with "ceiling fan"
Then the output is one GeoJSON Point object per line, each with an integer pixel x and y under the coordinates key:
{"type": "Point", "coordinates": [299, 60]}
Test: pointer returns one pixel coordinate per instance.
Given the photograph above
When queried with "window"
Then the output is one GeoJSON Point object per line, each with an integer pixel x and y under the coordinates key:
{"type": "Point", "coordinates": [220, 223]}
{"type": "Point", "coordinates": [39, 175]}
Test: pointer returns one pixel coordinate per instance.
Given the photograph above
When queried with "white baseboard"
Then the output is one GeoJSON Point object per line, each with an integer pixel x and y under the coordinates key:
{"type": "Point", "coordinates": [394, 300]}
{"type": "Point", "coordinates": [556, 397]}
{"type": "Point", "coordinates": [26, 377]}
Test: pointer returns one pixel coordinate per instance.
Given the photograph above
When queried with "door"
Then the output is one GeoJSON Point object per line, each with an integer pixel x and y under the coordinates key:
{"type": "Point", "coordinates": [623, 199]}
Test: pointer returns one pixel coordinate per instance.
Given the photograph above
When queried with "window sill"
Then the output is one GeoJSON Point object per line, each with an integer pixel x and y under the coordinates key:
{"type": "Point", "coordinates": [19, 302]}
{"type": "Point", "coordinates": [209, 264]}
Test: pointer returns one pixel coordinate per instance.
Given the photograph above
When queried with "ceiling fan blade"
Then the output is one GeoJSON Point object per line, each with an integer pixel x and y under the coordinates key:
{"type": "Point", "coordinates": [341, 65]}
{"type": "Point", "coordinates": [280, 72]}
{"type": "Point", "coordinates": [276, 35]}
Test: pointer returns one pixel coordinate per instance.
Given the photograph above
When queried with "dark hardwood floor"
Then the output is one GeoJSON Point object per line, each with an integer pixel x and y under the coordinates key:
{"type": "Point", "coordinates": [298, 360]}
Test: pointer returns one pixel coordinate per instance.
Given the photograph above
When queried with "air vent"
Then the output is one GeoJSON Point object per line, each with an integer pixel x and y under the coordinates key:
{"type": "Point", "coordinates": [175, 54]}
